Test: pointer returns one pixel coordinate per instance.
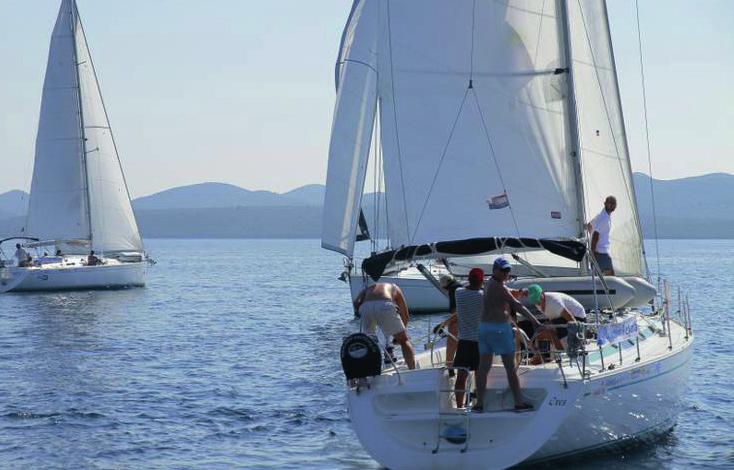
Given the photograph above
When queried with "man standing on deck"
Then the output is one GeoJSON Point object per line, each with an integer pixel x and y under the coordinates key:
{"type": "Point", "coordinates": [600, 227]}
{"type": "Point", "coordinates": [496, 335]}
{"type": "Point", "coordinates": [22, 256]}
{"type": "Point", "coordinates": [449, 284]}
{"type": "Point", "coordinates": [384, 305]}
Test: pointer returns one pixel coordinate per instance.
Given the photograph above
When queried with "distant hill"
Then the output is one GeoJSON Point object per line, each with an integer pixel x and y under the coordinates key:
{"type": "Point", "coordinates": [209, 195]}
{"type": "Point", "coordinates": [695, 207]}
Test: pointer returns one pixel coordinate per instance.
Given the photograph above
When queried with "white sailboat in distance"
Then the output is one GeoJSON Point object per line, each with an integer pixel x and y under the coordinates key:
{"type": "Point", "coordinates": [79, 200]}
{"type": "Point", "coordinates": [500, 134]}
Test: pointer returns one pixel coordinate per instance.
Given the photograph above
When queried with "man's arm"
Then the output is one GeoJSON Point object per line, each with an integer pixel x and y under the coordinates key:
{"type": "Point", "coordinates": [358, 301]}
{"type": "Point", "coordinates": [594, 241]}
{"type": "Point", "coordinates": [519, 307]}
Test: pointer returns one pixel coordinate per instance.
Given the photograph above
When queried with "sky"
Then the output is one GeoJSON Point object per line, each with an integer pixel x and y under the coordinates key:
{"type": "Point", "coordinates": [242, 91]}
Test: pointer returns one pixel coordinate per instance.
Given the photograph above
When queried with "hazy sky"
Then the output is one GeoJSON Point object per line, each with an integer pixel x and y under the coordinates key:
{"type": "Point", "coordinates": [241, 91]}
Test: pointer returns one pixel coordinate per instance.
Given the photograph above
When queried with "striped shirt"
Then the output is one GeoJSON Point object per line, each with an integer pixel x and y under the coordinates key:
{"type": "Point", "coordinates": [469, 313]}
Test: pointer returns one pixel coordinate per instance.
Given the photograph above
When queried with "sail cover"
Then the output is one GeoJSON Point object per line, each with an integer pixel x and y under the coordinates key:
{"type": "Point", "coordinates": [473, 130]}
{"type": "Point", "coordinates": [351, 129]}
{"type": "Point", "coordinates": [78, 189]}
{"type": "Point", "coordinates": [58, 204]}
{"type": "Point", "coordinates": [606, 168]}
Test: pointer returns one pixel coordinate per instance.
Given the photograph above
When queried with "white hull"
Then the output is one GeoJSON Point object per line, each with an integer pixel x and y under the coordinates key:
{"type": "Point", "coordinates": [109, 276]}
{"type": "Point", "coordinates": [399, 424]}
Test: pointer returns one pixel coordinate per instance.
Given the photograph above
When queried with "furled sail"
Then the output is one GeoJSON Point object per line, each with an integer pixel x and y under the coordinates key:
{"type": "Point", "coordinates": [78, 189]}
{"type": "Point", "coordinates": [351, 129]}
{"type": "Point", "coordinates": [605, 159]}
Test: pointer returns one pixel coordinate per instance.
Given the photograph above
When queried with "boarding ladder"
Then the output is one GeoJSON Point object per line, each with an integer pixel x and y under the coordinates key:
{"type": "Point", "coordinates": [453, 423]}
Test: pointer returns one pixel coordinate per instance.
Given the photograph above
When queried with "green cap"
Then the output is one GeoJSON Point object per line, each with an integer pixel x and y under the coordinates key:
{"type": "Point", "coordinates": [534, 293]}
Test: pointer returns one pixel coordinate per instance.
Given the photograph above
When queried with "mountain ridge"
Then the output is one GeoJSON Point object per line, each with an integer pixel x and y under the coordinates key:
{"type": "Point", "coordinates": [690, 207]}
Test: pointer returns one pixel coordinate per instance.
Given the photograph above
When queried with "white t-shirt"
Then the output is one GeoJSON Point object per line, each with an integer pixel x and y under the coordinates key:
{"type": "Point", "coordinates": [602, 223]}
{"type": "Point", "coordinates": [21, 255]}
{"type": "Point", "coordinates": [557, 302]}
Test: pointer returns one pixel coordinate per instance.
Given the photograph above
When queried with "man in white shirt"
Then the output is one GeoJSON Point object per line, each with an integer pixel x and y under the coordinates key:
{"type": "Point", "coordinates": [21, 255]}
{"type": "Point", "coordinates": [558, 308]}
{"type": "Point", "coordinates": [600, 227]}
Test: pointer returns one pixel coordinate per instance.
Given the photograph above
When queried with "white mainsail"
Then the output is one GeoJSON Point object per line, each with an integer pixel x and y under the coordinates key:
{"type": "Point", "coordinates": [78, 189]}
{"type": "Point", "coordinates": [476, 130]}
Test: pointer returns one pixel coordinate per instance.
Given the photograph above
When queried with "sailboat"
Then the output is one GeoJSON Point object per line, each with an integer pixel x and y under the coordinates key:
{"type": "Point", "coordinates": [79, 199]}
{"type": "Point", "coordinates": [500, 134]}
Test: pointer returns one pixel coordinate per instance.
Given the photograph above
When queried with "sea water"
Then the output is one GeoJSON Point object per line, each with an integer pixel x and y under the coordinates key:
{"type": "Point", "coordinates": [229, 358]}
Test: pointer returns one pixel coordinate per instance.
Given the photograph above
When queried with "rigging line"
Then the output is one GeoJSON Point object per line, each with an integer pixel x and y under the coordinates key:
{"type": "Point", "coordinates": [540, 32]}
{"type": "Point", "coordinates": [471, 54]}
{"type": "Point", "coordinates": [630, 193]}
{"type": "Point", "coordinates": [440, 163]}
{"type": "Point", "coordinates": [496, 163]}
{"type": "Point", "coordinates": [647, 138]}
{"type": "Point", "coordinates": [395, 119]}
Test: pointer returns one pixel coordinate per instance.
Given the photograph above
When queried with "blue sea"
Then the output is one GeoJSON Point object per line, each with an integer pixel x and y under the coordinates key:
{"type": "Point", "coordinates": [229, 358]}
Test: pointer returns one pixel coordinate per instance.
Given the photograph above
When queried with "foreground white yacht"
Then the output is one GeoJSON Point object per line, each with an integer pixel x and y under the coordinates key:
{"type": "Point", "coordinates": [79, 199]}
{"type": "Point", "coordinates": [498, 132]}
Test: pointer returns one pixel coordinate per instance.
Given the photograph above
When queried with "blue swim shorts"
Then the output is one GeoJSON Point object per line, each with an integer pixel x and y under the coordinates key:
{"type": "Point", "coordinates": [496, 338]}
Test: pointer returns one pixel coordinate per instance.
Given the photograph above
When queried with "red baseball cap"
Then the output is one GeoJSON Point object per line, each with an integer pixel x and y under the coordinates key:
{"type": "Point", "coordinates": [476, 277]}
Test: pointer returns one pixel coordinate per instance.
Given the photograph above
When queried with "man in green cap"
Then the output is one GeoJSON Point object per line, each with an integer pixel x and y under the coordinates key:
{"type": "Point", "coordinates": [558, 308]}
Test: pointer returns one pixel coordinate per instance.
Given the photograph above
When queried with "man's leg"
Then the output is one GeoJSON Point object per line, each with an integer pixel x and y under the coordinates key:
{"type": "Point", "coordinates": [408, 353]}
{"type": "Point", "coordinates": [508, 360]}
{"type": "Point", "coordinates": [461, 377]}
{"type": "Point", "coordinates": [485, 365]}
{"type": "Point", "coordinates": [451, 343]}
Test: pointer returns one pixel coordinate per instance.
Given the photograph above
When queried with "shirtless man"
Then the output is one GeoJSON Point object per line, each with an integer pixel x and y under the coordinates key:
{"type": "Point", "coordinates": [496, 335]}
{"type": "Point", "coordinates": [383, 305]}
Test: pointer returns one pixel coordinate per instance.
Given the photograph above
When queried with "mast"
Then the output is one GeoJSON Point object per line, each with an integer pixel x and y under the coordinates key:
{"type": "Point", "coordinates": [74, 16]}
{"type": "Point", "coordinates": [572, 113]}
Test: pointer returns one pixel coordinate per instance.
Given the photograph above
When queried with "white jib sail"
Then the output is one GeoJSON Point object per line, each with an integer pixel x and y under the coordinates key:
{"type": "Point", "coordinates": [450, 150]}
{"type": "Point", "coordinates": [605, 159]}
{"type": "Point", "coordinates": [113, 223]}
{"type": "Point", "coordinates": [78, 189]}
{"type": "Point", "coordinates": [351, 129]}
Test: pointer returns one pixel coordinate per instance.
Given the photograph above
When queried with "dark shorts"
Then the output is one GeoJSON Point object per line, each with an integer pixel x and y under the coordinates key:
{"type": "Point", "coordinates": [605, 261]}
{"type": "Point", "coordinates": [467, 354]}
{"type": "Point", "coordinates": [563, 332]}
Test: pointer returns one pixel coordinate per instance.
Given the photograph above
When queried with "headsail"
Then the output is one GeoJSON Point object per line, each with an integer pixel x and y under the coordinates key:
{"type": "Point", "coordinates": [605, 159]}
{"type": "Point", "coordinates": [351, 129]}
{"type": "Point", "coordinates": [78, 189]}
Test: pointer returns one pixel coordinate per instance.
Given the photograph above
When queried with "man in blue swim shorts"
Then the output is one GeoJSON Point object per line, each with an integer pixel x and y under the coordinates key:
{"type": "Point", "coordinates": [496, 335]}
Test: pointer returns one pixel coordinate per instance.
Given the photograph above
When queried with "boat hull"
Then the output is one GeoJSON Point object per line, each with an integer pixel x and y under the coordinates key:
{"type": "Point", "coordinates": [398, 419]}
{"type": "Point", "coordinates": [114, 276]}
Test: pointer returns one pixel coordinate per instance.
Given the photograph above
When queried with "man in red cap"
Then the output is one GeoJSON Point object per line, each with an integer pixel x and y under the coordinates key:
{"type": "Point", "coordinates": [468, 317]}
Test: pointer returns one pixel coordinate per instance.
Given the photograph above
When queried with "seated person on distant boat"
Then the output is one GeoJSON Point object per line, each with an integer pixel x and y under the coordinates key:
{"type": "Point", "coordinates": [92, 259]}
{"type": "Point", "coordinates": [58, 253]}
{"type": "Point", "coordinates": [468, 316]}
{"type": "Point", "coordinates": [559, 309]}
{"type": "Point", "coordinates": [24, 259]}
{"type": "Point", "coordinates": [383, 305]}
{"type": "Point", "coordinates": [496, 335]}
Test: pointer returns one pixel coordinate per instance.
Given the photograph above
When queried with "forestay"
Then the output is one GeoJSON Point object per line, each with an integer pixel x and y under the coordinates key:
{"type": "Point", "coordinates": [78, 189]}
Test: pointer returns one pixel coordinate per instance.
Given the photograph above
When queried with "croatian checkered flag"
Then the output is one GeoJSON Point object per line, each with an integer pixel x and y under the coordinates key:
{"type": "Point", "coordinates": [498, 202]}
